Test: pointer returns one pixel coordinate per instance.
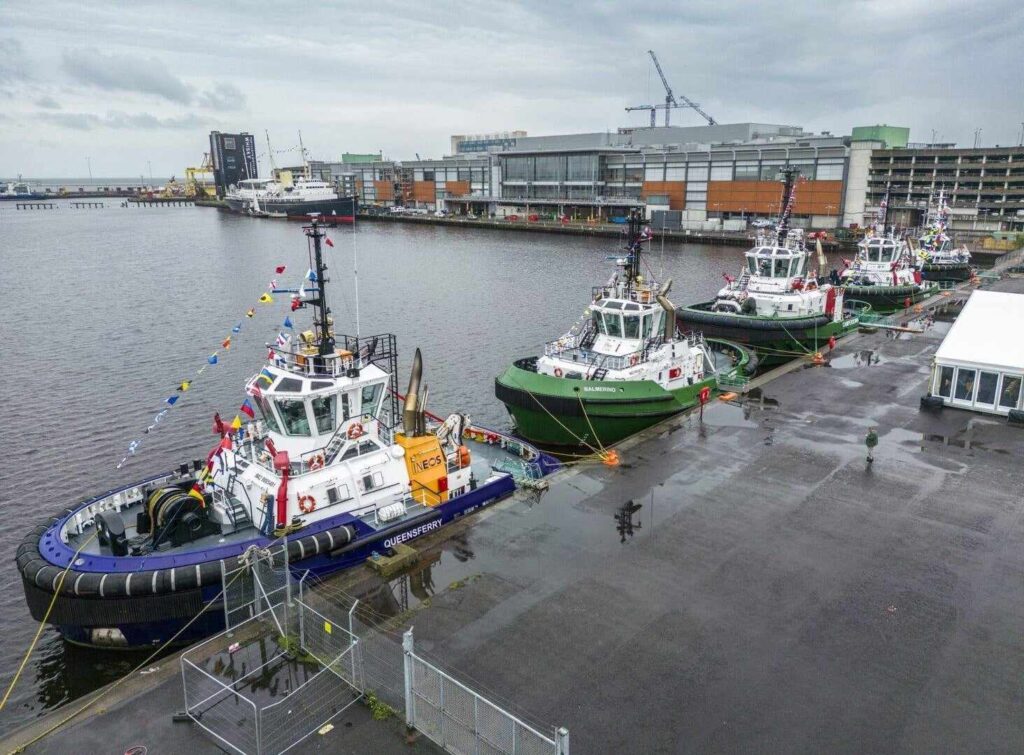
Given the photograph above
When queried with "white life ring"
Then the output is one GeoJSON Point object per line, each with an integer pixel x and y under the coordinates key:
{"type": "Point", "coordinates": [316, 462]}
{"type": "Point", "coordinates": [634, 360]}
{"type": "Point", "coordinates": [307, 503]}
{"type": "Point", "coordinates": [355, 430]}
{"type": "Point", "coordinates": [558, 372]}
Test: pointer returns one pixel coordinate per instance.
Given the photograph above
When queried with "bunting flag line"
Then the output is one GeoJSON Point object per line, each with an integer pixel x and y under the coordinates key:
{"type": "Point", "coordinates": [254, 390]}
{"type": "Point", "coordinates": [311, 276]}
{"type": "Point", "coordinates": [327, 240]}
{"type": "Point", "coordinates": [282, 340]}
{"type": "Point", "coordinates": [295, 303]}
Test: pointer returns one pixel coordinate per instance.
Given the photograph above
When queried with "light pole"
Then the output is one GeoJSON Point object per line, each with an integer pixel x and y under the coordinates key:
{"type": "Point", "coordinates": [149, 165]}
{"type": "Point", "coordinates": [88, 163]}
{"type": "Point", "coordinates": [977, 133]}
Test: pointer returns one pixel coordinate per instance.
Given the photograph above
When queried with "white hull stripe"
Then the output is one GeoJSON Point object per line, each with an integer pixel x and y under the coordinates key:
{"type": "Point", "coordinates": [199, 576]}
{"type": "Point", "coordinates": [331, 538]}
{"type": "Point", "coordinates": [102, 580]}
{"type": "Point", "coordinates": [128, 585]}
{"type": "Point", "coordinates": [173, 572]}
{"type": "Point", "coordinates": [153, 586]}
{"type": "Point", "coordinates": [302, 549]}
{"type": "Point", "coordinates": [77, 580]}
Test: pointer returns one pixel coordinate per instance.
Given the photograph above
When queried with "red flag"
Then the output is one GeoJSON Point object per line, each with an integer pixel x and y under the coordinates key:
{"type": "Point", "coordinates": [279, 269]}
{"type": "Point", "coordinates": [255, 391]}
{"type": "Point", "coordinates": [328, 240]}
{"type": "Point", "coordinates": [296, 304]}
{"type": "Point", "coordinates": [226, 343]}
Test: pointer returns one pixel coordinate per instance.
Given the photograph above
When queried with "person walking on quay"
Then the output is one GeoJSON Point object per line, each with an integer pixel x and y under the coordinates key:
{"type": "Point", "coordinates": [871, 440]}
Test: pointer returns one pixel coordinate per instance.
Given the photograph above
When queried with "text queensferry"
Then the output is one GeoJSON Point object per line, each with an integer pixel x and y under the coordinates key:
{"type": "Point", "coordinates": [415, 532]}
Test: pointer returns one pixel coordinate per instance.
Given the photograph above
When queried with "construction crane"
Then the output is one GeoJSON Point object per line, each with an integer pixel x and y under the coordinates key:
{"type": "Point", "coordinates": [670, 99]}
{"type": "Point", "coordinates": [199, 182]}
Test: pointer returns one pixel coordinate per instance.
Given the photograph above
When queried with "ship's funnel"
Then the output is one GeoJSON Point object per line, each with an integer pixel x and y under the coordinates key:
{"type": "Point", "coordinates": [412, 395]}
{"type": "Point", "coordinates": [670, 310]}
{"type": "Point", "coordinates": [421, 412]}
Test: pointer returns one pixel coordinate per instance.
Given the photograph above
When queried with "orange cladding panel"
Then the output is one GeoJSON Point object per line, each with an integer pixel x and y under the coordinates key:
{"type": "Point", "coordinates": [423, 191]}
{"type": "Point", "coordinates": [456, 188]}
{"type": "Point", "coordinates": [674, 190]}
{"type": "Point", "coordinates": [385, 190]}
{"type": "Point", "coordinates": [812, 197]}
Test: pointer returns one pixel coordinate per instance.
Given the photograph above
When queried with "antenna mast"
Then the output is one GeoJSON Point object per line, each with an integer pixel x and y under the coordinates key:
{"type": "Point", "coordinates": [322, 316]}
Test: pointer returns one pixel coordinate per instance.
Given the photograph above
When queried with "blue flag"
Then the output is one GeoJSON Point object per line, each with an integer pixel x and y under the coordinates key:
{"type": "Point", "coordinates": [236, 328]}
{"type": "Point", "coordinates": [212, 359]}
{"type": "Point", "coordinates": [172, 400]}
{"type": "Point", "coordinates": [288, 322]}
{"type": "Point", "coordinates": [311, 276]}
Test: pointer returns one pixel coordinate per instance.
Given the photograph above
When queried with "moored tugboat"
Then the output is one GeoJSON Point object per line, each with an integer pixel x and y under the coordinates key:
{"type": "Point", "coordinates": [939, 259]}
{"type": "Point", "coordinates": [883, 277]}
{"type": "Point", "coordinates": [622, 368]}
{"type": "Point", "coordinates": [331, 470]}
{"type": "Point", "coordinates": [777, 305]}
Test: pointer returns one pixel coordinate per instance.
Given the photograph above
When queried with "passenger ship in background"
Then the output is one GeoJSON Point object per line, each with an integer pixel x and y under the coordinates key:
{"type": "Point", "coordinates": [265, 197]}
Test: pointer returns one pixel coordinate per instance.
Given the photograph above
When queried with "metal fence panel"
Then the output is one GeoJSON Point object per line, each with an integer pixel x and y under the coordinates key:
{"type": "Point", "coordinates": [222, 711]}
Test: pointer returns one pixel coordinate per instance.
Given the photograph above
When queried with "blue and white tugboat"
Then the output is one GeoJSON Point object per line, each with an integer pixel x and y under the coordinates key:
{"type": "Point", "coordinates": [329, 467]}
{"type": "Point", "coordinates": [938, 257]}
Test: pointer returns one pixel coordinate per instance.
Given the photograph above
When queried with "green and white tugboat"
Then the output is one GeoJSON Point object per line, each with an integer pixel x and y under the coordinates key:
{"type": "Point", "coordinates": [620, 369]}
{"type": "Point", "coordinates": [884, 275]}
{"type": "Point", "coordinates": [939, 259]}
{"type": "Point", "coordinates": [776, 306]}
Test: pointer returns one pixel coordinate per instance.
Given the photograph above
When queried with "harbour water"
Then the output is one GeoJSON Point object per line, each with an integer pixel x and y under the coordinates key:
{"type": "Point", "coordinates": [105, 311]}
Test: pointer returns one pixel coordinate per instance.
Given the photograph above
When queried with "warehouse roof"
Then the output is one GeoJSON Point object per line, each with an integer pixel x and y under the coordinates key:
{"type": "Point", "coordinates": [985, 333]}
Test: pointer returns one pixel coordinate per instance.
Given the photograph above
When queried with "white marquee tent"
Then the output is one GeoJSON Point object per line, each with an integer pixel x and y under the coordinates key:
{"type": "Point", "coordinates": [980, 364]}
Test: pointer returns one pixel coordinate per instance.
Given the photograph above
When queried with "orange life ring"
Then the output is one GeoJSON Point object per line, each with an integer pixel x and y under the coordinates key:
{"type": "Point", "coordinates": [558, 372]}
{"type": "Point", "coordinates": [307, 503]}
{"type": "Point", "coordinates": [633, 360]}
{"type": "Point", "coordinates": [355, 430]}
{"type": "Point", "coordinates": [317, 462]}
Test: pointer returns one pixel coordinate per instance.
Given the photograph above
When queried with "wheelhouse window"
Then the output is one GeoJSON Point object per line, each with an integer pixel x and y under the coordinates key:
{"type": "Point", "coordinates": [752, 264]}
{"type": "Point", "coordinates": [293, 415]}
{"type": "Point", "coordinates": [648, 319]}
{"type": "Point", "coordinates": [267, 413]}
{"type": "Point", "coordinates": [371, 397]}
{"type": "Point", "coordinates": [1009, 394]}
{"type": "Point", "coordinates": [613, 323]}
{"type": "Point", "coordinates": [289, 385]}
{"type": "Point", "coordinates": [325, 412]}
{"type": "Point", "coordinates": [632, 326]}
{"type": "Point", "coordinates": [595, 316]}
{"type": "Point", "coordinates": [782, 268]}
{"type": "Point", "coordinates": [945, 382]}
{"type": "Point", "coordinates": [764, 267]}
{"type": "Point", "coordinates": [964, 384]}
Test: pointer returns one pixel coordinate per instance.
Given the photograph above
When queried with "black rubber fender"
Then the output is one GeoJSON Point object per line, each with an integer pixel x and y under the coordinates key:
{"type": "Point", "coordinates": [695, 316]}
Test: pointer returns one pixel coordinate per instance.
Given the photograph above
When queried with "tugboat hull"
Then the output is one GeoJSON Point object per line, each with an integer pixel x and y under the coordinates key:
{"type": "Point", "coordinates": [776, 340]}
{"type": "Point", "coordinates": [886, 299]}
{"type": "Point", "coordinates": [567, 412]}
{"type": "Point", "coordinates": [110, 602]}
{"type": "Point", "coordinates": [951, 272]}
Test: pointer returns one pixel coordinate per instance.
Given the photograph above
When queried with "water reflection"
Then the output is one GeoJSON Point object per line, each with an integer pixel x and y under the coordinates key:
{"type": "Point", "coordinates": [625, 524]}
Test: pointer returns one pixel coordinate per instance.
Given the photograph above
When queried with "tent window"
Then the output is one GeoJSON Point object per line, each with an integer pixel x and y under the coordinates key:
{"type": "Point", "coordinates": [987, 388]}
{"type": "Point", "coordinates": [1010, 393]}
{"type": "Point", "coordinates": [945, 386]}
{"type": "Point", "coordinates": [964, 384]}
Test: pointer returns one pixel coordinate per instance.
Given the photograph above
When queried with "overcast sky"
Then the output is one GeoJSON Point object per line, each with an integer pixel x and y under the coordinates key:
{"type": "Point", "coordinates": [129, 82]}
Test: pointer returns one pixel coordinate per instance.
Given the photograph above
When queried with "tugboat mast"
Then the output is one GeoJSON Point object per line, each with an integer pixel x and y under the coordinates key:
{"type": "Point", "coordinates": [321, 317]}
{"type": "Point", "coordinates": [633, 247]}
{"type": "Point", "coordinates": [789, 175]}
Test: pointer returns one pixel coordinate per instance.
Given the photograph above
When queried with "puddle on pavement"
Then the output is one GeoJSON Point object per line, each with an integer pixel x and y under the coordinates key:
{"type": "Point", "coordinates": [858, 358]}
{"type": "Point", "coordinates": [756, 396]}
{"type": "Point", "coordinates": [729, 414]}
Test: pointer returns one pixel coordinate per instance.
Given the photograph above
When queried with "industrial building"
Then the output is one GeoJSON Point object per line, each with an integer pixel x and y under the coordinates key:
{"type": "Point", "coordinates": [233, 157]}
{"type": "Point", "coordinates": [984, 186]}
{"type": "Point", "coordinates": [469, 143]}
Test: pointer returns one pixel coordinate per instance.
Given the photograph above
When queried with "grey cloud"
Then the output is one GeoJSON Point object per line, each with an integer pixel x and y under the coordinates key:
{"type": "Point", "coordinates": [223, 96]}
{"type": "Point", "coordinates": [125, 73]}
{"type": "Point", "coordinates": [48, 103]}
{"type": "Point", "coordinates": [12, 65]}
{"type": "Point", "coordinates": [116, 119]}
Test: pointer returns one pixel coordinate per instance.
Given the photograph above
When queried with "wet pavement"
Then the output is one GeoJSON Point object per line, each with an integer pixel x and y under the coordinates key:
{"type": "Point", "coordinates": [743, 583]}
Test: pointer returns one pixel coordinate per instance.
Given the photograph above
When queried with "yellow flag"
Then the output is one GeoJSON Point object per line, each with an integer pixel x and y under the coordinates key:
{"type": "Point", "coordinates": [184, 385]}
{"type": "Point", "coordinates": [266, 298]}
{"type": "Point", "coordinates": [236, 423]}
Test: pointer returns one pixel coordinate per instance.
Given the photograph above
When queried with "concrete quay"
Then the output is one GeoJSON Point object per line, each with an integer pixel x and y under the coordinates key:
{"type": "Point", "coordinates": [745, 582]}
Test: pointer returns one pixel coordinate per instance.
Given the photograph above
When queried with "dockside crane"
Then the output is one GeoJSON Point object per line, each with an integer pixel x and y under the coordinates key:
{"type": "Point", "coordinates": [670, 100]}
